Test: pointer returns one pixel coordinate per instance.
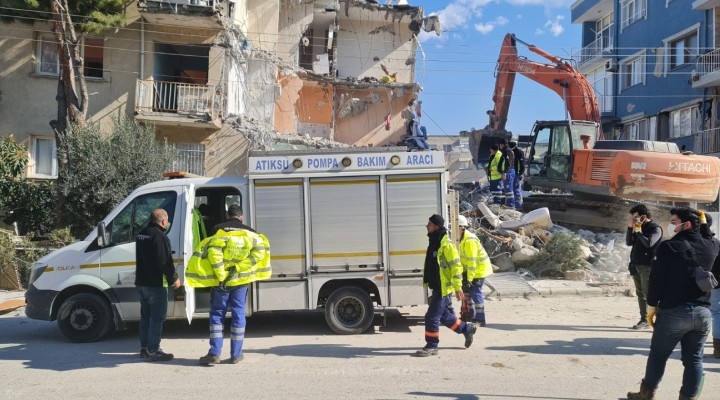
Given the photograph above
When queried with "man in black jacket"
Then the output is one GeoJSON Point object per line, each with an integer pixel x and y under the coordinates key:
{"type": "Point", "coordinates": [234, 221]}
{"type": "Point", "coordinates": [644, 236]}
{"type": "Point", "coordinates": [684, 314]}
{"type": "Point", "coordinates": [507, 168]}
{"type": "Point", "coordinates": [519, 163]}
{"type": "Point", "coordinates": [154, 271]}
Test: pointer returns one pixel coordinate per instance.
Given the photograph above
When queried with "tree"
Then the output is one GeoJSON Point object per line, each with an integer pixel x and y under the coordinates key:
{"type": "Point", "coordinates": [105, 168]}
{"type": "Point", "coordinates": [72, 97]}
{"type": "Point", "coordinates": [26, 202]}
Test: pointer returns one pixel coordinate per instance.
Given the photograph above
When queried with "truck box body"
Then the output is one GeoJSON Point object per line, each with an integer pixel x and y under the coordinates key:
{"type": "Point", "coordinates": [342, 225]}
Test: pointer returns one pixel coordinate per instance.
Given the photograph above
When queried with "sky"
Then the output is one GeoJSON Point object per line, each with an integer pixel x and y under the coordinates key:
{"type": "Point", "coordinates": [457, 74]}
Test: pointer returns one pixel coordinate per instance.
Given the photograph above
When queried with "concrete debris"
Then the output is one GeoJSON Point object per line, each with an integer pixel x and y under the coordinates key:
{"type": "Point", "coordinates": [514, 239]}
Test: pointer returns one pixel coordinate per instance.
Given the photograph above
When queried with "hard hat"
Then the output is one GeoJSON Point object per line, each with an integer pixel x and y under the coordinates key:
{"type": "Point", "coordinates": [462, 221]}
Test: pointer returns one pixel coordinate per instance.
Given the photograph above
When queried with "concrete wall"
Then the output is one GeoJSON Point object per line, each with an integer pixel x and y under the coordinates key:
{"type": "Point", "coordinates": [226, 153]}
{"type": "Point", "coordinates": [365, 44]}
{"type": "Point", "coordinates": [292, 22]}
{"type": "Point", "coordinates": [262, 24]}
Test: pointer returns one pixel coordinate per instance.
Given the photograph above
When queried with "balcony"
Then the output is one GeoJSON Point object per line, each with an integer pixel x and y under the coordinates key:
{"type": "Point", "coordinates": [201, 14]}
{"type": "Point", "coordinates": [707, 70]}
{"type": "Point", "coordinates": [601, 47]}
{"type": "Point", "coordinates": [705, 4]}
{"type": "Point", "coordinates": [702, 142]}
{"type": "Point", "coordinates": [178, 104]}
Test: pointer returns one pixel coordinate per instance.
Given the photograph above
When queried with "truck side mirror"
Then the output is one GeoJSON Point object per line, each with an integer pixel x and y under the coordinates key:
{"type": "Point", "coordinates": [102, 238]}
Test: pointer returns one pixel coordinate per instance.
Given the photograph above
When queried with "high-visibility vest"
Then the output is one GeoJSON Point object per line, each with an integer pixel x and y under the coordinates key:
{"type": "Point", "coordinates": [237, 258]}
{"type": "Point", "coordinates": [450, 267]}
{"type": "Point", "coordinates": [198, 227]}
{"type": "Point", "coordinates": [494, 165]}
{"type": "Point", "coordinates": [475, 260]}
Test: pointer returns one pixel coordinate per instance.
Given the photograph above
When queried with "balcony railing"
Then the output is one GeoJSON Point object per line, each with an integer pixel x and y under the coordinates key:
{"type": "Point", "coordinates": [707, 63]}
{"type": "Point", "coordinates": [594, 49]}
{"type": "Point", "coordinates": [703, 142]}
{"type": "Point", "coordinates": [191, 100]}
{"type": "Point", "coordinates": [200, 3]}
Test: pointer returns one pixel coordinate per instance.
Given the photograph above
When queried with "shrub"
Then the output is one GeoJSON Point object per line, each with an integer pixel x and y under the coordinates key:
{"type": "Point", "coordinates": [562, 253]}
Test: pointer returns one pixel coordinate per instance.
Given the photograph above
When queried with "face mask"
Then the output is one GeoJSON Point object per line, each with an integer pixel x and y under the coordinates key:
{"type": "Point", "coordinates": [671, 229]}
{"type": "Point", "coordinates": [167, 228]}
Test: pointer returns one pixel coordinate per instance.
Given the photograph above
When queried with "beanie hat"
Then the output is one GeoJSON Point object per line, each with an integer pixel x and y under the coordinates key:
{"type": "Point", "coordinates": [437, 220]}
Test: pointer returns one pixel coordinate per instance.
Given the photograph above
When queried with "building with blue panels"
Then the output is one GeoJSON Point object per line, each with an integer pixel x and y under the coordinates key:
{"type": "Point", "coordinates": [654, 67]}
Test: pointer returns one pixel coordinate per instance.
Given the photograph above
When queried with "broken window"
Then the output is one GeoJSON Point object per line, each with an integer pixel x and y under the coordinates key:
{"type": "Point", "coordinates": [684, 122]}
{"type": "Point", "coordinates": [91, 49]}
{"type": "Point", "coordinates": [683, 49]}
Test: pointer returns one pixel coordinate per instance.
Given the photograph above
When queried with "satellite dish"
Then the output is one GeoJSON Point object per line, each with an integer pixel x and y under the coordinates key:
{"type": "Point", "coordinates": [305, 41]}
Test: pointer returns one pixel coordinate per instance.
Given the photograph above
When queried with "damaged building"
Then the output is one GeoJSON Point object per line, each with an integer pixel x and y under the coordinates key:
{"type": "Point", "coordinates": [220, 77]}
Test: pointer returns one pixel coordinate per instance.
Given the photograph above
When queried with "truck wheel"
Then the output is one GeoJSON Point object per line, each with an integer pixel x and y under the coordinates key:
{"type": "Point", "coordinates": [84, 317]}
{"type": "Point", "coordinates": [349, 310]}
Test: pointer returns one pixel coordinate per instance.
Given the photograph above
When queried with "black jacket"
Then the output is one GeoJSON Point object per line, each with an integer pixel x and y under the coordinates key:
{"type": "Point", "coordinates": [507, 160]}
{"type": "Point", "coordinates": [519, 161]}
{"type": "Point", "coordinates": [431, 272]}
{"type": "Point", "coordinates": [153, 257]}
{"type": "Point", "coordinates": [643, 243]}
{"type": "Point", "coordinates": [232, 224]}
{"type": "Point", "coordinates": [671, 282]}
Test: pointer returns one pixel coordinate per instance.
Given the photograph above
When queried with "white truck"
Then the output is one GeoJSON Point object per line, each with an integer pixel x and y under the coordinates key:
{"type": "Point", "coordinates": [346, 229]}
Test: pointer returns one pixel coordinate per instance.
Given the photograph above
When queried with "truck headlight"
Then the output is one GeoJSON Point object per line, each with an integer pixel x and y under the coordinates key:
{"type": "Point", "coordinates": [37, 270]}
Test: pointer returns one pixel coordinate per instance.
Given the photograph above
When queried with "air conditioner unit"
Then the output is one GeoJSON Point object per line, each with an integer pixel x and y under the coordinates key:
{"type": "Point", "coordinates": [611, 66]}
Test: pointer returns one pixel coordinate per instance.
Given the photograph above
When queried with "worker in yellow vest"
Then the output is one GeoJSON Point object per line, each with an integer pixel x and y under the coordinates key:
{"type": "Point", "coordinates": [476, 267]}
{"type": "Point", "coordinates": [227, 263]}
{"type": "Point", "coordinates": [495, 174]}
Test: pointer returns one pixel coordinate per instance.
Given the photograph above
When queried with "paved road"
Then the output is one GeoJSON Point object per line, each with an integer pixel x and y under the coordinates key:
{"type": "Point", "coordinates": [555, 347]}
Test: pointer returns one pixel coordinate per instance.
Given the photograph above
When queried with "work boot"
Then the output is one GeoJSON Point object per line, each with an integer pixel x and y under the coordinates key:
{"type": "Point", "coordinates": [144, 352]}
{"type": "Point", "coordinates": [641, 325]}
{"type": "Point", "coordinates": [472, 328]}
{"type": "Point", "coordinates": [159, 355]}
{"type": "Point", "coordinates": [716, 348]}
{"type": "Point", "coordinates": [236, 360]}
{"type": "Point", "coordinates": [209, 359]}
{"type": "Point", "coordinates": [426, 352]}
{"type": "Point", "coordinates": [643, 394]}
{"type": "Point", "coordinates": [683, 397]}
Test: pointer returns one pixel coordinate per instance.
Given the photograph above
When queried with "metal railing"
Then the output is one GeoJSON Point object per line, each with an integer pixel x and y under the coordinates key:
{"type": "Point", "coordinates": [708, 62]}
{"type": "Point", "coordinates": [201, 3]}
{"type": "Point", "coordinates": [190, 158]}
{"type": "Point", "coordinates": [703, 142]}
{"type": "Point", "coordinates": [594, 49]}
{"type": "Point", "coordinates": [177, 98]}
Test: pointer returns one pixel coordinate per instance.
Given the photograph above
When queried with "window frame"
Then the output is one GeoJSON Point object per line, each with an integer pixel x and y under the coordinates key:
{"type": "Point", "coordinates": [639, 12]}
{"type": "Point", "coordinates": [32, 165]}
{"type": "Point", "coordinates": [41, 40]}
{"type": "Point", "coordinates": [642, 124]}
{"type": "Point", "coordinates": [628, 62]}
{"type": "Point", "coordinates": [690, 31]}
{"type": "Point", "coordinates": [695, 120]}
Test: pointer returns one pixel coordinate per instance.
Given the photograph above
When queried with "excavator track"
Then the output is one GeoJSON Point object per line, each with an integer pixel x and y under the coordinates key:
{"type": "Point", "coordinates": [591, 214]}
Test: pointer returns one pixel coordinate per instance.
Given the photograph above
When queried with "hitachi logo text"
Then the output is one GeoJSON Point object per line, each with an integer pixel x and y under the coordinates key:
{"type": "Point", "coordinates": [688, 167]}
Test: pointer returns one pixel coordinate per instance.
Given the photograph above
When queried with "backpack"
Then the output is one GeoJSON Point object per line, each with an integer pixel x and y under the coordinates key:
{"type": "Point", "coordinates": [704, 280]}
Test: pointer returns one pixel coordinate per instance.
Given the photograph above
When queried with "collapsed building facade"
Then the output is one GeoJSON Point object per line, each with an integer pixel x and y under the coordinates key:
{"type": "Point", "coordinates": [220, 77]}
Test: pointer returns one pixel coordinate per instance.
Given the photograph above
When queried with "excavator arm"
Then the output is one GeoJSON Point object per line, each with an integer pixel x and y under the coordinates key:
{"type": "Point", "coordinates": [559, 76]}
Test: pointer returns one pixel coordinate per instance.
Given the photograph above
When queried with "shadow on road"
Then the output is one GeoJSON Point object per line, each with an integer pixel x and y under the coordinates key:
{"type": "Point", "coordinates": [523, 327]}
{"type": "Point", "coordinates": [585, 346]}
{"type": "Point", "coordinates": [333, 351]}
{"type": "Point", "coordinates": [459, 396]}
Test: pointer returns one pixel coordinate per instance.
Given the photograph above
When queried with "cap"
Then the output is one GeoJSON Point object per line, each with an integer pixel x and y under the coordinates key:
{"type": "Point", "coordinates": [494, 147]}
{"type": "Point", "coordinates": [437, 220]}
{"type": "Point", "coordinates": [462, 221]}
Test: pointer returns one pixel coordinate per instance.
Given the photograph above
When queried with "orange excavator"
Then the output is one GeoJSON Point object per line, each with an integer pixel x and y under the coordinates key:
{"type": "Point", "coordinates": [571, 155]}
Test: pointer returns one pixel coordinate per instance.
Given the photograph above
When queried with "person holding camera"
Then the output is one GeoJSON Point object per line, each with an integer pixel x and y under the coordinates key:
{"type": "Point", "coordinates": [644, 236]}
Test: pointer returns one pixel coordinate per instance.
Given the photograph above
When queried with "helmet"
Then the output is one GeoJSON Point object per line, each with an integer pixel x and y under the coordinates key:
{"type": "Point", "coordinates": [462, 221]}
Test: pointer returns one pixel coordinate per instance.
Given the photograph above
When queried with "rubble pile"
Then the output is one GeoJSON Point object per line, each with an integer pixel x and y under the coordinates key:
{"type": "Point", "coordinates": [523, 242]}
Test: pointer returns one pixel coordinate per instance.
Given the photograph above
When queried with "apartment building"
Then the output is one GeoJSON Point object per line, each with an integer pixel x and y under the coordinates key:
{"type": "Point", "coordinates": [219, 77]}
{"type": "Point", "coordinates": [652, 65]}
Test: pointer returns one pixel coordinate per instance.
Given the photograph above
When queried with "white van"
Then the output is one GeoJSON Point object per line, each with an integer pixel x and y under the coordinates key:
{"type": "Point", "coordinates": [346, 229]}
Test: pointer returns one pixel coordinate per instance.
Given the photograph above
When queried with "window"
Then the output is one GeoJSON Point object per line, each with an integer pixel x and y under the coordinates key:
{"type": "Point", "coordinates": [603, 32]}
{"type": "Point", "coordinates": [635, 130]}
{"type": "Point", "coordinates": [44, 157]}
{"type": "Point", "coordinates": [631, 11]}
{"type": "Point", "coordinates": [190, 158]}
{"type": "Point", "coordinates": [136, 216]}
{"type": "Point", "coordinates": [684, 122]}
{"type": "Point", "coordinates": [683, 49]}
{"type": "Point", "coordinates": [633, 72]}
{"type": "Point", "coordinates": [91, 50]}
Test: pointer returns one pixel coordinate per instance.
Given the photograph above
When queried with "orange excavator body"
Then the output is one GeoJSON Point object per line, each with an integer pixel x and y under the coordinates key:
{"type": "Point", "coordinates": [572, 155]}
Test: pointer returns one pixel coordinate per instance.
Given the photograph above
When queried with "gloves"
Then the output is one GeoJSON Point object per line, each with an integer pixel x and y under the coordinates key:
{"type": "Point", "coordinates": [467, 285]}
{"type": "Point", "coordinates": [223, 286]}
{"type": "Point", "coordinates": [703, 220]}
{"type": "Point", "coordinates": [651, 312]}
{"type": "Point", "coordinates": [637, 228]}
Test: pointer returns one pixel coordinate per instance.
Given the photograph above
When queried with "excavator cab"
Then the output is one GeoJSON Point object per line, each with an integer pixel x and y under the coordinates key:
{"type": "Point", "coordinates": [550, 161]}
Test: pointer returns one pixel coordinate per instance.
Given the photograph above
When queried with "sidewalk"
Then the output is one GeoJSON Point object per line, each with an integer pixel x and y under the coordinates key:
{"type": "Point", "coordinates": [510, 284]}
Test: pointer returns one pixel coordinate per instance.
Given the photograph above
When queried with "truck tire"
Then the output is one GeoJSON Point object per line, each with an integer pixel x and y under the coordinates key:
{"type": "Point", "coordinates": [349, 310]}
{"type": "Point", "coordinates": [84, 317]}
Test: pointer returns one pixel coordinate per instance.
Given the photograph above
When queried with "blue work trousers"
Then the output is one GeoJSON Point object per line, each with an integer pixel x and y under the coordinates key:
{"type": "Point", "coordinates": [153, 311]}
{"type": "Point", "coordinates": [439, 311]}
{"type": "Point", "coordinates": [234, 297]}
{"type": "Point", "coordinates": [507, 187]}
{"type": "Point", "coordinates": [715, 310]}
{"type": "Point", "coordinates": [477, 300]}
{"type": "Point", "coordinates": [517, 192]}
{"type": "Point", "coordinates": [496, 190]}
{"type": "Point", "coordinates": [688, 325]}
